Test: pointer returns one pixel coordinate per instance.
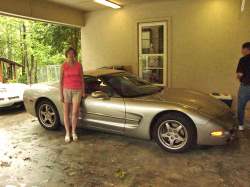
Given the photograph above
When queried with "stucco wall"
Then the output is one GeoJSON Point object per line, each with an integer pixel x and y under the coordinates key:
{"type": "Point", "coordinates": [206, 36]}
{"type": "Point", "coordinates": [42, 10]}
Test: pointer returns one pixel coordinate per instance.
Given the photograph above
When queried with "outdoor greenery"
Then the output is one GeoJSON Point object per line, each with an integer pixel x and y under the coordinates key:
{"type": "Point", "coordinates": [35, 44]}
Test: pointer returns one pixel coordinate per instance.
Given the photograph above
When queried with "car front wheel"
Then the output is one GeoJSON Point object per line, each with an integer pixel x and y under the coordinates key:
{"type": "Point", "coordinates": [48, 115]}
{"type": "Point", "coordinates": [174, 132]}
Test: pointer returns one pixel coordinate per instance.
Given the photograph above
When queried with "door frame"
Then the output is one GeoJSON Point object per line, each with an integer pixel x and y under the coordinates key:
{"type": "Point", "coordinates": [168, 43]}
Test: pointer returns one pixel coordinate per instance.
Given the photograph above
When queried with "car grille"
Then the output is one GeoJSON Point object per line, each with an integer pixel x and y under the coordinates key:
{"type": "Point", "coordinates": [15, 97]}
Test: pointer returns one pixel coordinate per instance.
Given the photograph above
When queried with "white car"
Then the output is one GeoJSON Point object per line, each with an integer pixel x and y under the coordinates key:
{"type": "Point", "coordinates": [11, 94]}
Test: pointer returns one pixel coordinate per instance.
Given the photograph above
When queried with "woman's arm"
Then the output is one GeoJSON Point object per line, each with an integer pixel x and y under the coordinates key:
{"type": "Point", "coordinates": [61, 84]}
{"type": "Point", "coordinates": [83, 83]}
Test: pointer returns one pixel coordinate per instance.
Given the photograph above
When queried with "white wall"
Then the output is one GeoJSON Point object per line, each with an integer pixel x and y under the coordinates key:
{"type": "Point", "coordinates": [205, 43]}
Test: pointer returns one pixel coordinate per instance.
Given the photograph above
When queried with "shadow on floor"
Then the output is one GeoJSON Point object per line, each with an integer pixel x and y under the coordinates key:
{"type": "Point", "coordinates": [12, 110]}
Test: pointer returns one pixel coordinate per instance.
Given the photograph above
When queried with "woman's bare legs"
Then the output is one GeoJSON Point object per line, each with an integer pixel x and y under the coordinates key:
{"type": "Point", "coordinates": [75, 115]}
{"type": "Point", "coordinates": [70, 117]}
{"type": "Point", "coordinates": [66, 108]}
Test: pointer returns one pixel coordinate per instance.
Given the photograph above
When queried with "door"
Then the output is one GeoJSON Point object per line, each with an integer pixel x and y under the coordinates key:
{"type": "Point", "coordinates": [107, 113]}
{"type": "Point", "coordinates": [153, 52]}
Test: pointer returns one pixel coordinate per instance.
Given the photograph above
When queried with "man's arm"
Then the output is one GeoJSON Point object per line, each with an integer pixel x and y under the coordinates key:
{"type": "Point", "coordinates": [83, 83]}
{"type": "Point", "coordinates": [239, 71]}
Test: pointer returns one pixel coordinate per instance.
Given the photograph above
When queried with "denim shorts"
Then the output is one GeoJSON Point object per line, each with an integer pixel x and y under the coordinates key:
{"type": "Point", "coordinates": [72, 96]}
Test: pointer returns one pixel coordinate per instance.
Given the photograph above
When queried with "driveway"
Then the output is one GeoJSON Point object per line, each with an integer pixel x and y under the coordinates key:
{"type": "Point", "coordinates": [32, 156]}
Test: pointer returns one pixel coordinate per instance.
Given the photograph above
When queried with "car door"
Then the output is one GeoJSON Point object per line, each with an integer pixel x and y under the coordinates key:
{"type": "Point", "coordinates": [107, 113]}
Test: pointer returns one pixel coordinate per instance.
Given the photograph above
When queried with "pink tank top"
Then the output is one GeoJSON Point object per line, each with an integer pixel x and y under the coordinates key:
{"type": "Point", "coordinates": [72, 78]}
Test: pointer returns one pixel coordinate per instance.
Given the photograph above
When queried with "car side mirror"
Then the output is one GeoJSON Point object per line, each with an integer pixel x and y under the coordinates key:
{"type": "Point", "coordinates": [99, 95]}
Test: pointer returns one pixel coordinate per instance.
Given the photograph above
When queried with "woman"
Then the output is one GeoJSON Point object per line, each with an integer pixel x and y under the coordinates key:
{"type": "Point", "coordinates": [71, 91]}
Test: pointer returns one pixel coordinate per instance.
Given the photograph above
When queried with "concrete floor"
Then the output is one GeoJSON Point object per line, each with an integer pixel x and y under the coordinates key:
{"type": "Point", "coordinates": [32, 156]}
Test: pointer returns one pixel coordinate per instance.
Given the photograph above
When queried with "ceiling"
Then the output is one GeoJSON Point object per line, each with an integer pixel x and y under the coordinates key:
{"type": "Point", "coordinates": [90, 5]}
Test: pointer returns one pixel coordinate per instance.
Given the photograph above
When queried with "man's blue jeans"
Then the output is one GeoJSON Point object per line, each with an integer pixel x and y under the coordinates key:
{"type": "Point", "coordinates": [243, 98]}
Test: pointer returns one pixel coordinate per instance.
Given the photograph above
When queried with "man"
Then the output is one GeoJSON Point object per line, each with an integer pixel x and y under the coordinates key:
{"type": "Point", "coordinates": [243, 74]}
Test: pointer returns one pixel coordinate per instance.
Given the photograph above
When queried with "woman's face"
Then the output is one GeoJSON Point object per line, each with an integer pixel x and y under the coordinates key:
{"type": "Point", "coordinates": [71, 54]}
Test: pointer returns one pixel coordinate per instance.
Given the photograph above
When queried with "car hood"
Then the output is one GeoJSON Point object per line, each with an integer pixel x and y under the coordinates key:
{"type": "Point", "coordinates": [191, 98]}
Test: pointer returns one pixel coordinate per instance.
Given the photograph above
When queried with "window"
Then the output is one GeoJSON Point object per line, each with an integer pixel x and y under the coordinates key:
{"type": "Point", "coordinates": [93, 84]}
{"type": "Point", "coordinates": [153, 52]}
{"type": "Point", "coordinates": [127, 85]}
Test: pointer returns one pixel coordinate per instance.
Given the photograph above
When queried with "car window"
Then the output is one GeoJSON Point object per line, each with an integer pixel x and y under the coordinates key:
{"type": "Point", "coordinates": [128, 85]}
{"type": "Point", "coordinates": [93, 84]}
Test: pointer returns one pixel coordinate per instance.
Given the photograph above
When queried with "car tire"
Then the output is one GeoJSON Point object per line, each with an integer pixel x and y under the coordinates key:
{"type": "Point", "coordinates": [174, 132]}
{"type": "Point", "coordinates": [47, 115]}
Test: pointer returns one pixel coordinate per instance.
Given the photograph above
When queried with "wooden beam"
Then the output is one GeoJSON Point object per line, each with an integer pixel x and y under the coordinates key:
{"type": "Point", "coordinates": [44, 11]}
{"type": "Point", "coordinates": [14, 68]}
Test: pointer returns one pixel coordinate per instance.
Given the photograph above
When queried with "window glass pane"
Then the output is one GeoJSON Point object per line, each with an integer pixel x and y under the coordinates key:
{"type": "Point", "coordinates": [145, 35]}
{"type": "Point", "coordinates": [152, 62]}
{"type": "Point", "coordinates": [152, 52]}
{"type": "Point", "coordinates": [128, 85]}
{"type": "Point", "coordinates": [146, 46]}
{"type": "Point", "coordinates": [152, 39]}
{"type": "Point", "coordinates": [153, 75]}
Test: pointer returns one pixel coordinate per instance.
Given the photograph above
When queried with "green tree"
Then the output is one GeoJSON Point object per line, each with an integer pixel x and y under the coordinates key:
{"type": "Point", "coordinates": [35, 44]}
{"type": "Point", "coordinates": [61, 37]}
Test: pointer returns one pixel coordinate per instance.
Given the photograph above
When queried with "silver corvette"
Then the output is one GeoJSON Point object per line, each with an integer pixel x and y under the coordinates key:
{"type": "Point", "coordinates": [118, 102]}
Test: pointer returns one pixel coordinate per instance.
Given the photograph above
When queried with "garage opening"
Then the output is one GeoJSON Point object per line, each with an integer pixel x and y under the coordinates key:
{"type": "Point", "coordinates": [36, 47]}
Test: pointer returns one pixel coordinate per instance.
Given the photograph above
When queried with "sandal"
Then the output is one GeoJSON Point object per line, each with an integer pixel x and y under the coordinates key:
{"type": "Point", "coordinates": [67, 139]}
{"type": "Point", "coordinates": [75, 138]}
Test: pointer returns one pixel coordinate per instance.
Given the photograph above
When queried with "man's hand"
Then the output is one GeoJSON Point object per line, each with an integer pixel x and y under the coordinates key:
{"type": "Point", "coordinates": [239, 75]}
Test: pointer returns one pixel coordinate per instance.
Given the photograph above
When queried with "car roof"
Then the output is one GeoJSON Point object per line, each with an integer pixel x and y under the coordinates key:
{"type": "Point", "coordinates": [101, 72]}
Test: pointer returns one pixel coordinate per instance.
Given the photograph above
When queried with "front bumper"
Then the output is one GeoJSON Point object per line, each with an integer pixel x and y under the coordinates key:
{"type": "Point", "coordinates": [225, 124]}
{"type": "Point", "coordinates": [10, 102]}
{"type": "Point", "coordinates": [229, 136]}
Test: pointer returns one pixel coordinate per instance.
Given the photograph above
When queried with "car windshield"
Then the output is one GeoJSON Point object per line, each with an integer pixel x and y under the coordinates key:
{"type": "Point", "coordinates": [128, 85]}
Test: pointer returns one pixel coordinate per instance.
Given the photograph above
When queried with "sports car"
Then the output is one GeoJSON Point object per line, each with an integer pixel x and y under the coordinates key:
{"type": "Point", "coordinates": [119, 102]}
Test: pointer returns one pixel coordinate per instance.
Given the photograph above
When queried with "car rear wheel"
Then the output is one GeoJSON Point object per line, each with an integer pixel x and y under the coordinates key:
{"type": "Point", "coordinates": [174, 132]}
{"type": "Point", "coordinates": [48, 115]}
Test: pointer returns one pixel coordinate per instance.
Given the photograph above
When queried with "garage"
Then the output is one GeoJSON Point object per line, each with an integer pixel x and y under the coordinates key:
{"type": "Point", "coordinates": [193, 45]}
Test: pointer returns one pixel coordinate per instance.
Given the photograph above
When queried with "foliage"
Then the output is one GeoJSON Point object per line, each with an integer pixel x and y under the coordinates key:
{"type": "Point", "coordinates": [35, 44]}
{"type": "Point", "coordinates": [22, 79]}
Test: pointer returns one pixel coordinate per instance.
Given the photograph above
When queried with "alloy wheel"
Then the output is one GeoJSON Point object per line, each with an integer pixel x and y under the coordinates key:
{"type": "Point", "coordinates": [47, 115]}
{"type": "Point", "coordinates": [172, 134]}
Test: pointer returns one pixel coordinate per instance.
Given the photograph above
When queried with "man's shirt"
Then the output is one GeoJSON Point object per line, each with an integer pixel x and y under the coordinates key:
{"type": "Point", "coordinates": [244, 68]}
